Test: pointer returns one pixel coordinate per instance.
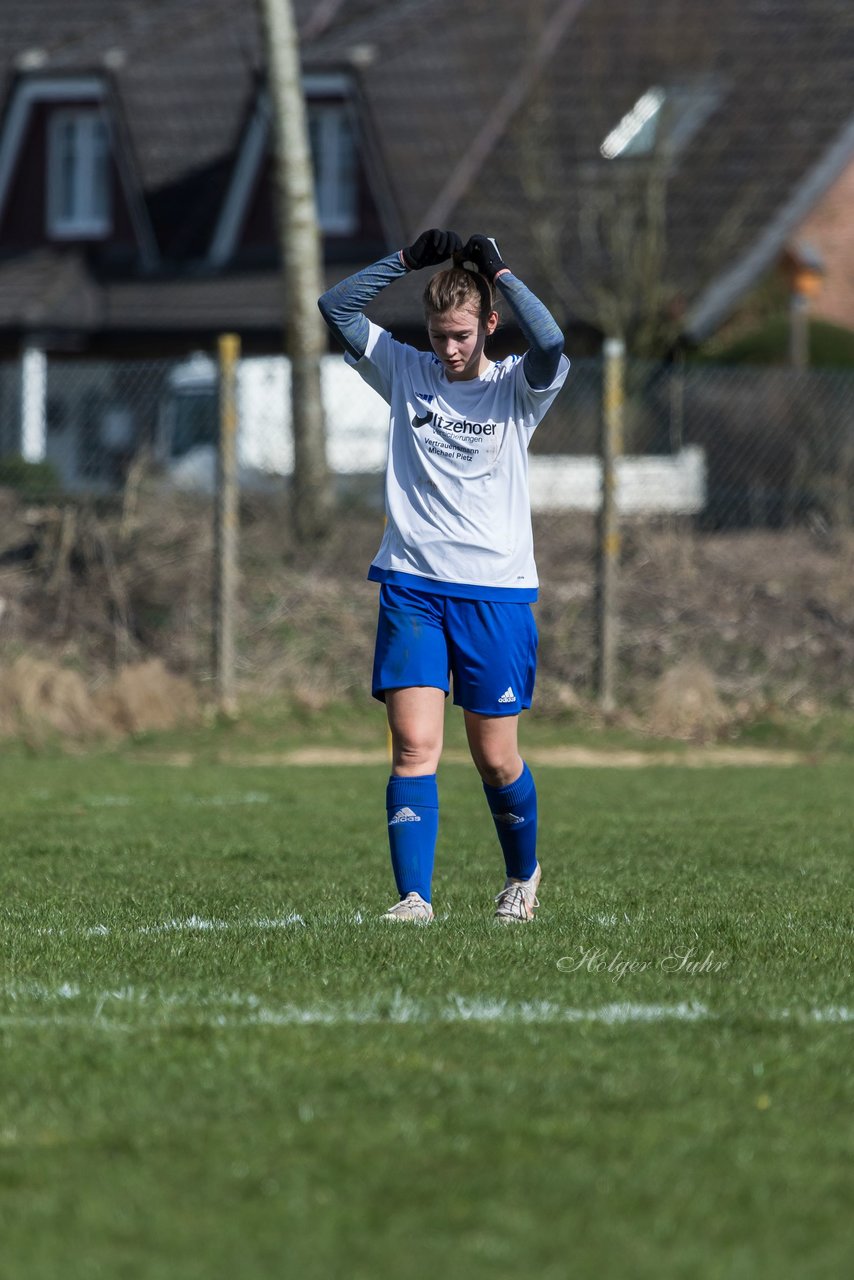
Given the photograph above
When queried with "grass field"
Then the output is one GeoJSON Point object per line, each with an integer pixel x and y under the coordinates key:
{"type": "Point", "coordinates": [217, 1062]}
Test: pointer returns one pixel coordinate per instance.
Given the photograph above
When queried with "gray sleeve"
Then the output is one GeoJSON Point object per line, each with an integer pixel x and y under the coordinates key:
{"type": "Point", "coordinates": [539, 329]}
{"type": "Point", "coordinates": [343, 305]}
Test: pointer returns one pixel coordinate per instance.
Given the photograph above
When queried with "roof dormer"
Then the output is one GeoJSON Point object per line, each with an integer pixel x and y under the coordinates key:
{"type": "Point", "coordinates": [346, 209]}
{"type": "Point", "coordinates": [66, 175]}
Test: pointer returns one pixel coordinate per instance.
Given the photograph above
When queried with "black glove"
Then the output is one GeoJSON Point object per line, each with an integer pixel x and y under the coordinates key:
{"type": "Point", "coordinates": [431, 248]}
{"type": "Point", "coordinates": [480, 253]}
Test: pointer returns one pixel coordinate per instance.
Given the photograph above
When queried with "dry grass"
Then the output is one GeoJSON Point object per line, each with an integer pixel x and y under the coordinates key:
{"type": "Point", "coordinates": [685, 703]}
{"type": "Point", "coordinates": [713, 628]}
{"type": "Point", "coordinates": [39, 699]}
{"type": "Point", "coordinates": [145, 697]}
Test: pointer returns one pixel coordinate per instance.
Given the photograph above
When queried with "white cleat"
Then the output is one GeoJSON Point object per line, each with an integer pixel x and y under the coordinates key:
{"type": "Point", "coordinates": [412, 908]}
{"type": "Point", "coordinates": [518, 901]}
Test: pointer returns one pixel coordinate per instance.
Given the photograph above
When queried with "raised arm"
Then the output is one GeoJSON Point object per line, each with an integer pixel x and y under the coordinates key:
{"type": "Point", "coordinates": [342, 306]}
{"type": "Point", "coordinates": [539, 328]}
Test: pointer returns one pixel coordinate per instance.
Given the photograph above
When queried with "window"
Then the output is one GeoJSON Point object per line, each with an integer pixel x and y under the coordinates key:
{"type": "Point", "coordinates": [635, 135]}
{"type": "Point", "coordinates": [663, 120]}
{"type": "Point", "coordinates": [334, 154]}
{"type": "Point", "coordinates": [78, 186]}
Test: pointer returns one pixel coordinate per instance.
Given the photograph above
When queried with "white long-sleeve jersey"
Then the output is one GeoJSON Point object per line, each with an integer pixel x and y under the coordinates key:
{"type": "Point", "coordinates": [456, 491]}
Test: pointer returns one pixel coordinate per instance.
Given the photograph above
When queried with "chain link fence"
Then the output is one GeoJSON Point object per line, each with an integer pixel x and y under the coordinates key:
{"type": "Point", "coordinates": [734, 494]}
{"type": "Point", "coordinates": [732, 447]}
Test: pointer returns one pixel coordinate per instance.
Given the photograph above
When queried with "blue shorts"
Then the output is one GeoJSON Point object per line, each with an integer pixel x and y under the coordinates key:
{"type": "Point", "coordinates": [488, 646]}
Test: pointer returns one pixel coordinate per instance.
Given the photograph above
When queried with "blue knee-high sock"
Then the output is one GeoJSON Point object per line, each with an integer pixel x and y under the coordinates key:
{"type": "Point", "coordinates": [514, 809]}
{"type": "Point", "coordinates": [412, 805]}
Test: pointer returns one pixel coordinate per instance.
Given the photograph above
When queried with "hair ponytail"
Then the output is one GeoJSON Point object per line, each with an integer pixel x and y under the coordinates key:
{"type": "Point", "coordinates": [456, 289]}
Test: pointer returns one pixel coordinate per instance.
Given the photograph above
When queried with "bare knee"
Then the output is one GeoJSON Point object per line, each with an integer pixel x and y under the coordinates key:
{"type": "Point", "coordinates": [416, 721]}
{"type": "Point", "coordinates": [494, 748]}
{"type": "Point", "coordinates": [415, 755]}
{"type": "Point", "coordinates": [499, 771]}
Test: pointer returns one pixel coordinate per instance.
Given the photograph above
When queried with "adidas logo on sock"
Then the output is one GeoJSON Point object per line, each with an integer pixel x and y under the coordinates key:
{"type": "Point", "coordinates": [508, 695]}
{"type": "Point", "coordinates": [404, 815]}
{"type": "Point", "coordinates": [508, 819]}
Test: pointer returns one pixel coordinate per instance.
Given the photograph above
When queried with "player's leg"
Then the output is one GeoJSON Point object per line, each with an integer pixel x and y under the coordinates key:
{"type": "Point", "coordinates": [494, 745]}
{"type": "Point", "coordinates": [416, 720]}
{"type": "Point", "coordinates": [411, 677]}
{"type": "Point", "coordinates": [493, 658]}
{"type": "Point", "coordinates": [509, 787]}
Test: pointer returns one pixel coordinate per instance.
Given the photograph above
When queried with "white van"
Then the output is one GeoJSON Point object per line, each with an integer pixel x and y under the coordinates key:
{"type": "Point", "coordinates": [356, 421]}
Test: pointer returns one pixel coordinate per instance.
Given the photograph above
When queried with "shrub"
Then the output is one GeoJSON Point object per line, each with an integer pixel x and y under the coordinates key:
{"type": "Point", "coordinates": [34, 481]}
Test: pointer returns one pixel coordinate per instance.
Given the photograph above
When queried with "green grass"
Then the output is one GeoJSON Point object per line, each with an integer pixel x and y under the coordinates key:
{"type": "Point", "coordinates": [196, 1085]}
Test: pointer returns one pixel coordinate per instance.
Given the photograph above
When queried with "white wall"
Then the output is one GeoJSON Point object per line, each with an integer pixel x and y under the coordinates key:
{"type": "Point", "coordinates": [645, 485]}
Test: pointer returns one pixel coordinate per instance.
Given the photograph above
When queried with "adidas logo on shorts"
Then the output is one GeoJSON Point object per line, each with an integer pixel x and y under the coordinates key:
{"type": "Point", "coordinates": [403, 815]}
{"type": "Point", "coordinates": [508, 695]}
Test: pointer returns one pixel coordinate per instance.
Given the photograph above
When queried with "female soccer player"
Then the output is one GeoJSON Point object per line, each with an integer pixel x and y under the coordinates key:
{"type": "Point", "coordinates": [456, 563]}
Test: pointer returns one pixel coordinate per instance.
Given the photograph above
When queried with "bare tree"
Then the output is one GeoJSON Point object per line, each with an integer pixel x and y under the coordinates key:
{"type": "Point", "coordinates": [604, 248]}
{"type": "Point", "coordinates": [300, 247]}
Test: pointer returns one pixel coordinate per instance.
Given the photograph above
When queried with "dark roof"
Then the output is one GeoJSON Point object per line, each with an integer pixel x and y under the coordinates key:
{"type": "Point", "coordinates": [486, 116]}
{"type": "Point", "coordinates": [49, 289]}
{"type": "Point", "coordinates": [53, 290]}
{"type": "Point", "coordinates": [783, 71]}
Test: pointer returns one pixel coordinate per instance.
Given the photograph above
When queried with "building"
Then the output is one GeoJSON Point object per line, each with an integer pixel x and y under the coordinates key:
{"type": "Point", "coordinates": [643, 163]}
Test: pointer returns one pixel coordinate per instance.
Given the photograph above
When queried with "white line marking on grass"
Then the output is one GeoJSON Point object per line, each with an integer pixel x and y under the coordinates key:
{"type": "Point", "coordinates": [277, 922]}
{"type": "Point", "coordinates": [241, 1009]}
{"type": "Point", "coordinates": [192, 924]}
{"type": "Point", "coordinates": [246, 797]}
{"type": "Point", "coordinates": [225, 800]}
{"type": "Point", "coordinates": [198, 924]}
{"type": "Point", "coordinates": [249, 1011]}
{"type": "Point", "coordinates": [203, 924]}
{"type": "Point", "coordinates": [834, 1013]}
{"type": "Point", "coordinates": [189, 924]}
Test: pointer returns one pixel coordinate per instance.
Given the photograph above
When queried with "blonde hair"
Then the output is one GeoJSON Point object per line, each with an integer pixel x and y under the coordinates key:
{"type": "Point", "coordinates": [456, 289]}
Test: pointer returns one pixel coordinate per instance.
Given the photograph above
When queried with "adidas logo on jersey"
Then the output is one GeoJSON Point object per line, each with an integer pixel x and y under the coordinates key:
{"type": "Point", "coordinates": [421, 419]}
{"type": "Point", "coordinates": [508, 819]}
{"type": "Point", "coordinates": [508, 695]}
{"type": "Point", "coordinates": [403, 815]}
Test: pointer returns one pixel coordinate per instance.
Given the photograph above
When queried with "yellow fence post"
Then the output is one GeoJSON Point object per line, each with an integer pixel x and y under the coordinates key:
{"type": "Point", "coordinates": [226, 525]}
{"type": "Point", "coordinates": [608, 539]}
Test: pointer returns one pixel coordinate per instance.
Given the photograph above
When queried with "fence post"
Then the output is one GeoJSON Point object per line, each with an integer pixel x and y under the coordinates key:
{"type": "Point", "coordinates": [608, 533]}
{"type": "Point", "coordinates": [226, 525]}
{"type": "Point", "coordinates": [33, 444]}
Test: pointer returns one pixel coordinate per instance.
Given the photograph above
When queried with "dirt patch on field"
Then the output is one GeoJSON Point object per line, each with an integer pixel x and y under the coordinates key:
{"type": "Point", "coordinates": [692, 758]}
{"type": "Point", "coordinates": [568, 757]}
